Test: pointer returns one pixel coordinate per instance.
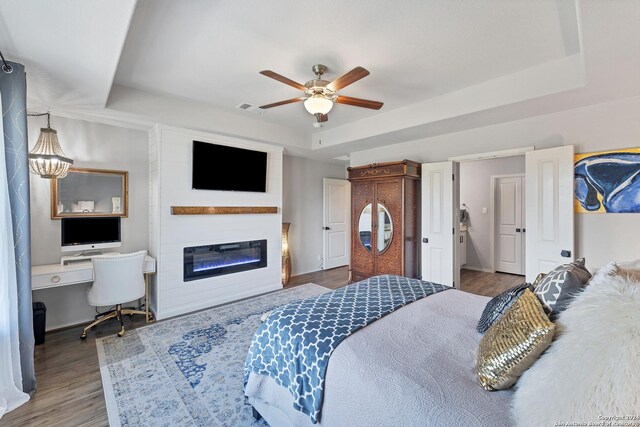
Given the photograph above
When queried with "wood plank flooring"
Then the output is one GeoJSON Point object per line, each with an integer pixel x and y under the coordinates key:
{"type": "Point", "coordinates": [487, 284]}
{"type": "Point", "coordinates": [333, 279]}
{"type": "Point", "coordinates": [69, 386]}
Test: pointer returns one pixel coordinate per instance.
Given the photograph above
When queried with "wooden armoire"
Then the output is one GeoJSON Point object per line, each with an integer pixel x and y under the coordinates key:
{"type": "Point", "coordinates": [385, 219]}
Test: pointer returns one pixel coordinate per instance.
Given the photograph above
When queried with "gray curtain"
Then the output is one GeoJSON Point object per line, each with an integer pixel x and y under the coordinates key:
{"type": "Point", "coordinates": [13, 86]}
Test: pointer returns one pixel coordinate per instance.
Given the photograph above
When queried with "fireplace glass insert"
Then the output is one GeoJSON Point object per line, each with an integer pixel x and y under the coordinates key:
{"type": "Point", "coordinates": [226, 258]}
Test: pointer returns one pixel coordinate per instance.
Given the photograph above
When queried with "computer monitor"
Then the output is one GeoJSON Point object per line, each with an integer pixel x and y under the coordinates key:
{"type": "Point", "coordinates": [90, 234]}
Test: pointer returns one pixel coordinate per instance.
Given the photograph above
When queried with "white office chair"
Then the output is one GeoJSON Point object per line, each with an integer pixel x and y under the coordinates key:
{"type": "Point", "coordinates": [116, 279]}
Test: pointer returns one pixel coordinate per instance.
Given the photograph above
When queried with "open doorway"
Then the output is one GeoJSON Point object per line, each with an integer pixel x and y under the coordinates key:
{"type": "Point", "coordinates": [492, 230]}
{"type": "Point", "coordinates": [549, 230]}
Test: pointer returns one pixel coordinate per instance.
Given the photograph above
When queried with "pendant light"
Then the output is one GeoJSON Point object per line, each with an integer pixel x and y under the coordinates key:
{"type": "Point", "coordinates": [47, 158]}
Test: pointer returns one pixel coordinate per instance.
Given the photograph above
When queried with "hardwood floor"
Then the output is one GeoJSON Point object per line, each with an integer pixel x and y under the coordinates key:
{"type": "Point", "coordinates": [69, 389]}
{"type": "Point", "coordinates": [69, 385]}
{"type": "Point", "coordinates": [487, 284]}
{"type": "Point", "coordinates": [334, 278]}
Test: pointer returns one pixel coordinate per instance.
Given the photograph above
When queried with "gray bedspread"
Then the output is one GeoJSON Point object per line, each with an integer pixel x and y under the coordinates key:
{"type": "Point", "coordinates": [414, 367]}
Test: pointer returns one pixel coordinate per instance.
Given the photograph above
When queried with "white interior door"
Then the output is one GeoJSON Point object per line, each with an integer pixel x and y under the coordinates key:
{"type": "Point", "coordinates": [440, 223]}
{"type": "Point", "coordinates": [524, 225]}
{"type": "Point", "coordinates": [509, 239]}
{"type": "Point", "coordinates": [336, 220]}
{"type": "Point", "coordinates": [549, 209]}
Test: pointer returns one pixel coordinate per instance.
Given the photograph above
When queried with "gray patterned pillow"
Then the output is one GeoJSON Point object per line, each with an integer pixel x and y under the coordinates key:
{"type": "Point", "coordinates": [559, 286]}
{"type": "Point", "coordinates": [499, 305]}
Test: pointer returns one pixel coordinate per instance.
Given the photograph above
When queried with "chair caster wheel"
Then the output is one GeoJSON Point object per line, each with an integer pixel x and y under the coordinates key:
{"type": "Point", "coordinates": [83, 336]}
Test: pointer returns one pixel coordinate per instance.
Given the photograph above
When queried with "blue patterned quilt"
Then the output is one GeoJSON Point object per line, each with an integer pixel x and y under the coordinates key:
{"type": "Point", "coordinates": [295, 342]}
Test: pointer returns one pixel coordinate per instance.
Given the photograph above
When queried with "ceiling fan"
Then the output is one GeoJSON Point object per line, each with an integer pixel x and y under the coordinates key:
{"type": "Point", "coordinates": [320, 95]}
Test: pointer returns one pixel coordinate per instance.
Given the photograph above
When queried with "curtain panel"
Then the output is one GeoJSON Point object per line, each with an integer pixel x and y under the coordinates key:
{"type": "Point", "coordinates": [14, 189]}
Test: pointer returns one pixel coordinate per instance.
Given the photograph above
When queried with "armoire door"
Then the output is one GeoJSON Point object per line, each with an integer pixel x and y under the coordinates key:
{"type": "Point", "coordinates": [389, 257]}
{"type": "Point", "coordinates": [362, 245]}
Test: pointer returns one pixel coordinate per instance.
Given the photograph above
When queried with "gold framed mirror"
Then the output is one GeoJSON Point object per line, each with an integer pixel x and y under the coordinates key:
{"type": "Point", "coordinates": [90, 192]}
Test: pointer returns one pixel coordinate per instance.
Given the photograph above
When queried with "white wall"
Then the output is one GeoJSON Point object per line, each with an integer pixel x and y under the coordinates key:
{"type": "Point", "coordinates": [475, 192]}
{"type": "Point", "coordinates": [302, 207]}
{"type": "Point", "coordinates": [90, 145]}
{"type": "Point", "coordinates": [170, 152]}
{"type": "Point", "coordinates": [599, 238]}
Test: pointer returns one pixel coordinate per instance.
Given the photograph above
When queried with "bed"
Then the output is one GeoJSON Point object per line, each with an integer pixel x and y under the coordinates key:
{"type": "Point", "coordinates": [413, 367]}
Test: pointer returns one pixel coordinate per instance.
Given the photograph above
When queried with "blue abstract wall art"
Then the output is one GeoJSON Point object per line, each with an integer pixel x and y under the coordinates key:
{"type": "Point", "coordinates": [608, 181]}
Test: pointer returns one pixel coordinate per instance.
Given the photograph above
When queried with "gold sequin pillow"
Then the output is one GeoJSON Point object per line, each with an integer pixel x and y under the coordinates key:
{"type": "Point", "coordinates": [514, 343]}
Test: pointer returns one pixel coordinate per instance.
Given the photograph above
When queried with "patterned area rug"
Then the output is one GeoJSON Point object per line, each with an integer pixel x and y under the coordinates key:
{"type": "Point", "coordinates": [187, 371]}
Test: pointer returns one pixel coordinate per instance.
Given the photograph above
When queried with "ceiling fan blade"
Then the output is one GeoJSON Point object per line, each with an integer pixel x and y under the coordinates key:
{"type": "Point", "coordinates": [288, 101]}
{"type": "Point", "coordinates": [357, 102]}
{"type": "Point", "coordinates": [282, 79]}
{"type": "Point", "coordinates": [346, 79]}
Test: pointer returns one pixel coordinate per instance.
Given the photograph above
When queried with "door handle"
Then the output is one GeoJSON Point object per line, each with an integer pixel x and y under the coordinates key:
{"type": "Point", "coordinates": [461, 239]}
{"type": "Point", "coordinates": [518, 230]}
{"type": "Point", "coordinates": [326, 228]}
{"type": "Point", "coordinates": [565, 254]}
{"type": "Point", "coordinates": [425, 240]}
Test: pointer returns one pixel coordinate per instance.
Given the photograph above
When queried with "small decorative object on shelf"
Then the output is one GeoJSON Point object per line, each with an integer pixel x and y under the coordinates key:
{"type": "Point", "coordinates": [286, 256]}
{"type": "Point", "coordinates": [117, 207]}
{"type": "Point", "coordinates": [87, 206]}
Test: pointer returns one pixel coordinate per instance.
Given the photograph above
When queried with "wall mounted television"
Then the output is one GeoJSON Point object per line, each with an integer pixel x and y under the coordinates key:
{"type": "Point", "coordinates": [220, 167]}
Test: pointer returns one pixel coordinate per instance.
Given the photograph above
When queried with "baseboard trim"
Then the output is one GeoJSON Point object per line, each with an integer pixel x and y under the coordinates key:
{"type": "Point", "coordinates": [69, 325]}
{"type": "Point", "coordinates": [317, 271]}
{"type": "Point", "coordinates": [168, 313]}
{"type": "Point", "coordinates": [471, 267]}
{"type": "Point", "coordinates": [300, 273]}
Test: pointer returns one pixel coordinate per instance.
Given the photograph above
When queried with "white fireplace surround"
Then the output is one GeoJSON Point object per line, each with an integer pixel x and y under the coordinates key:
{"type": "Point", "coordinates": [170, 151]}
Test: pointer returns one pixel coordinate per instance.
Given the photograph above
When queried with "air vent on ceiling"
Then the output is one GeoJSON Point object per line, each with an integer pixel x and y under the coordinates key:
{"type": "Point", "coordinates": [250, 108]}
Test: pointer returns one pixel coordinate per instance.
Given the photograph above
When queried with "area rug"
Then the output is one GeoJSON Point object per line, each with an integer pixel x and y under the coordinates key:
{"type": "Point", "coordinates": [187, 371]}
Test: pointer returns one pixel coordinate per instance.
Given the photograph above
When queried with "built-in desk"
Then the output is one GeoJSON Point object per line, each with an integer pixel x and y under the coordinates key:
{"type": "Point", "coordinates": [55, 275]}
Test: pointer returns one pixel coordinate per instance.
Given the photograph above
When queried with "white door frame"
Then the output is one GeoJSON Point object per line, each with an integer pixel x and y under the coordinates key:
{"type": "Point", "coordinates": [492, 219]}
{"type": "Point", "coordinates": [325, 221]}
{"type": "Point", "coordinates": [567, 197]}
{"type": "Point", "coordinates": [447, 216]}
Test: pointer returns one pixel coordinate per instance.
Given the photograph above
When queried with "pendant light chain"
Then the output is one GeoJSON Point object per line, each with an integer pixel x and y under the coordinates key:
{"type": "Point", "coordinates": [6, 67]}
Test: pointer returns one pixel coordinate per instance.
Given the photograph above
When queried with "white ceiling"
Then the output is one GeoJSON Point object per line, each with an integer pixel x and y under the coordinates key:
{"type": "Point", "coordinates": [70, 48]}
{"type": "Point", "coordinates": [213, 51]}
{"type": "Point", "coordinates": [439, 66]}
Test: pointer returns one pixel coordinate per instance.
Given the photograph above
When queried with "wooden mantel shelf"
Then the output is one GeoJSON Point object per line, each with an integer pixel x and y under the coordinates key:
{"type": "Point", "coordinates": [222, 210]}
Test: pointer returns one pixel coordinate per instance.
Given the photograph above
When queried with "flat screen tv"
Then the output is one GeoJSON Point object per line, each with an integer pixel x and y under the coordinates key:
{"type": "Point", "coordinates": [220, 167]}
{"type": "Point", "coordinates": [79, 234]}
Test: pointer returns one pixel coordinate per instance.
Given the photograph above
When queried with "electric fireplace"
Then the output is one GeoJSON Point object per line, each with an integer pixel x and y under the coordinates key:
{"type": "Point", "coordinates": [226, 258]}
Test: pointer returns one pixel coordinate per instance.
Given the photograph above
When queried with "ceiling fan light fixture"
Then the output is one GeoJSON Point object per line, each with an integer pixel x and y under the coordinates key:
{"type": "Point", "coordinates": [320, 94]}
{"type": "Point", "coordinates": [318, 104]}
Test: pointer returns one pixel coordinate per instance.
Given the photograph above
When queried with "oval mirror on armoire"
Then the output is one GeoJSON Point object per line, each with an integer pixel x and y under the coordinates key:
{"type": "Point", "coordinates": [364, 227]}
{"type": "Point", "coordinates": [385, 228]}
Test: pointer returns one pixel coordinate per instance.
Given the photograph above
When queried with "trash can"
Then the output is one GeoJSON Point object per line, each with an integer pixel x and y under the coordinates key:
{"type": "Point", "coordinates": [39, 321]}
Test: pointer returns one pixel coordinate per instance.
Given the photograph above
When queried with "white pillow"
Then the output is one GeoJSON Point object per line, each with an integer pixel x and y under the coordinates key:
{"type": "Point", "coordinates": [592, 370]}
